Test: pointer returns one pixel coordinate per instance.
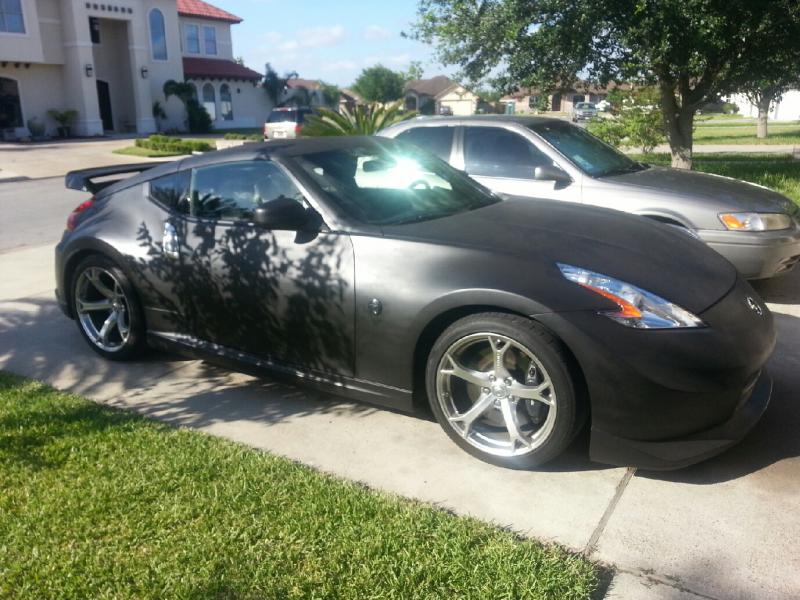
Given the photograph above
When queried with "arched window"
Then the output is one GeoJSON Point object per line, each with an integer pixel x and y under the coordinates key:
{"type": "Point", "coordinates": [210, 101]}
{"type": "Point", "coordinates": [10, 105]}
{"type": "Point", "coordinates": [158, 35]}
{"type": "Point", "coordinates": [225, 103]}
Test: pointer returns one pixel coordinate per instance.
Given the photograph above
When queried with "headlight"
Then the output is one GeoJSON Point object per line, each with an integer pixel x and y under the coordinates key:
{"type": "Point", "coordinates": [637, 308]}
{"type": "Point", "coordinates": [756, 221]}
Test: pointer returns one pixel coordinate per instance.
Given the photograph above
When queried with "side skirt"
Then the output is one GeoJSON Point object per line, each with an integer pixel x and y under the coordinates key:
{"type": "Point", "coordinates": [236, 360]}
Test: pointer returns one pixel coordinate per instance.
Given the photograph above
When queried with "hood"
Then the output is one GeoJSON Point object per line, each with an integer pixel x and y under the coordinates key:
{"type": "Point", "coordinates": [725, 193]}
{"type": "Point", "coordinates": [658, 258]}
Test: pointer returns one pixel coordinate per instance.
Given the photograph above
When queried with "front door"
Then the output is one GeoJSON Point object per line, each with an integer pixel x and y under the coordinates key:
{"type": "Point", "coordinates": [505, 162]}
{"type": "Point", "coordinates": [281, 295]}
{"type": "Point", "coordinates": [104, 101]}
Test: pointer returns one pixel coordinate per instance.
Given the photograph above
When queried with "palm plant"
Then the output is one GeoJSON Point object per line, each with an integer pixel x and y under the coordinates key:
{"type": "Point", "coordinates": [362, 120]}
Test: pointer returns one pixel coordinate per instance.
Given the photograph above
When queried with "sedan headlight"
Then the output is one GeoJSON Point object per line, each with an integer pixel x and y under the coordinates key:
{"type": "Point", "coordinates": [637, 307]}
{"type": "Point", "coordinates": [756, 221]}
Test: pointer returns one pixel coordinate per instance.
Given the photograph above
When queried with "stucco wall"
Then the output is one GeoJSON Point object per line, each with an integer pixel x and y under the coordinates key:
{"type": "Point", "coordinates": [460, 101]}
{"type": "Point", "coordinates": [112, 65]}
{"type": "Point", "coordinates": [36, 86]}
{"type": "Point", "coordinates": [251, 107]}
{"type": "Point", "coordinates": [788, 109]}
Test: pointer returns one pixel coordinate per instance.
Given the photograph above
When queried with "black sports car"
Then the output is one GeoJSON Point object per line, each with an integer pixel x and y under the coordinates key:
{"type": "Point", "coordinates": [377, 271]}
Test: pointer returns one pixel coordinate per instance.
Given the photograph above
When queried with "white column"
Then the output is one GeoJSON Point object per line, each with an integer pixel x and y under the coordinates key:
{"type": "Point", "coordinates": [140, 59]}
{"type": "Point", "coordinates": [80, 90]}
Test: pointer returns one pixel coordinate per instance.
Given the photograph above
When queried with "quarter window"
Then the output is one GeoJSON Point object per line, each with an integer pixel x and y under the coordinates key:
{"type": "Point", "coordinates": [436, 140]}
{"type": "Point", "coordinates": [233, 191]}
{"type": "Point", "coordinates": [225, 102]}
{"type": "Point", "coordinates": [158, 35]}
{"type": "Point", "coordinates": [210, 101]}
{"type": "Point", "coordinates": [11, 20]}
{"type": "Point", "coordinates": [192, 39]}
{"type": "Point", "coordinates": [172, 191]}
{"type": "Point", "coordinates": [496, 152]}
{"type": "Point", "coordinates": [210, 37]}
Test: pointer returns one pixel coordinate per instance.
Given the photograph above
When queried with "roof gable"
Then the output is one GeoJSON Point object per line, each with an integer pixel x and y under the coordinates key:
{"type": "Point", "coordinates": [204, 10]}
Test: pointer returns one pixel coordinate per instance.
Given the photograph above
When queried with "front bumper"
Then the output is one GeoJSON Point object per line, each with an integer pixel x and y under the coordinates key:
{"type": "Point", "coordinates": [756, 254]}
{"type": "Point", "coordinates": [681, 452]}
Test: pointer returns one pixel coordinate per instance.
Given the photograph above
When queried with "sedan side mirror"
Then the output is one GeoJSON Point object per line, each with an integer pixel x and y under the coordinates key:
{"type": "Point", "coordinates": [281, 213]}
{"type": "Point", "coordinates": [551, 173]}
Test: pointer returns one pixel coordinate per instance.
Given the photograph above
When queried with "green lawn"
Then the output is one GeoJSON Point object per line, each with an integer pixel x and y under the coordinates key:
{"type": "Point", "coordinates": [777, 171]}
{"type": "Point", "coordinates": [745, 133]}
{"type": "Point", "coordinates": [100, 503]}
{"type": "Point", "coordinates": [145, 152]}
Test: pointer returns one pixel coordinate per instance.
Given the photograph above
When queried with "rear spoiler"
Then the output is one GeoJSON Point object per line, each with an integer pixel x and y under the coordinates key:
{"type": "Point", "coordinates": [82, 179]}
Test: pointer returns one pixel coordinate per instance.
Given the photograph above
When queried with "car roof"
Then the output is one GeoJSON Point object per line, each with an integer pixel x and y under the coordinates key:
{"type": "Point", "coordinates": [525, 120]}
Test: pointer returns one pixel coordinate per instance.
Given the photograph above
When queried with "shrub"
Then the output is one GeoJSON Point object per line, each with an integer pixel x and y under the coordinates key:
{"type": "Point", "coordinates": [169, 144]}
{"type": "Point", "coordinates": [36, 127]}
{"type": "Point", "coordinates": [199, 120]}
{"type": "Point", "coordinates": [243, 136]}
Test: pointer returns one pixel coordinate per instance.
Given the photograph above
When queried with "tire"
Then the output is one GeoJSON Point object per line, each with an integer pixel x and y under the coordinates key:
{"type": "Point", "coordinates": [99, 288]}
{"type": "Point", "coordinates": [478, 363]}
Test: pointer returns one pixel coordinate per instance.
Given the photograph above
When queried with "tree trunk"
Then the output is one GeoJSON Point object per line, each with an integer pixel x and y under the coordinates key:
{"type": "Point", "coordinates": [763, 115]}
{"type": "Point", "coordinates": [679, 124]}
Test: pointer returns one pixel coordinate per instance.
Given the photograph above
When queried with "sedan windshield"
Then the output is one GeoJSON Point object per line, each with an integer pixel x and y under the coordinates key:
{"type": "Point", "coordinates": [585, 151]}
{"type": "Point", "coordinates": [381, 184]}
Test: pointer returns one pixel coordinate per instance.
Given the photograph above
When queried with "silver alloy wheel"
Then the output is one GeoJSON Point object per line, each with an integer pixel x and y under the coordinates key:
{"type": "Point", "coordinates": [496, 394]}
{"type": "Point", "coordinates": [102, 308]}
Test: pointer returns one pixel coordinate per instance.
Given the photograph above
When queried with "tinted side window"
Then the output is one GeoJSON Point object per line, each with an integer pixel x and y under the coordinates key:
{"type": "Point", "coordinates": [436, 140]}
{"type": "Point", "coordinates": [171, 191]}
{"type": "Point", "coordinates": [496, 152]}
{"type": "Point", "coordinates": [232, 191]}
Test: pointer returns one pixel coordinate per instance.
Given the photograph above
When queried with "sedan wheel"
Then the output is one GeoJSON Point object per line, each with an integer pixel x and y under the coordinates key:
{"type": "Point", "coordinates": [106, 309]}
{"type": "Point", "coordinates": [502, 389]}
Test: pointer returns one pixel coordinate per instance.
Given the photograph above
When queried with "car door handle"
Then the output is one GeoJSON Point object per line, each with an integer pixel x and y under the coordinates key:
{"type": "Point", "coordinates": [169, 242]}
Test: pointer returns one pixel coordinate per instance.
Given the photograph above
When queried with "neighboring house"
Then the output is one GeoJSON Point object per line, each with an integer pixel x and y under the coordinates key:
{"type": "Point", "coordinates": [431, 96]}
{"type": "Point", "coordinates": [528, 100]}
{"type": "Point", "coordinates": [303, 92]}
{"type": "Point", "coordinates": [350, 99]}
{"type": "Point", "coordinates": [109, 61]}
{"type": "Point", "coordinates": [788, 109]}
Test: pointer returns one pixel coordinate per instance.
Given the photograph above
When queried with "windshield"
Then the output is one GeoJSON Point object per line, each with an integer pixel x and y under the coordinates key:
{"type": "Point", "coordinates": [584, 105]}
{"type": "Point", "coordinates": [585, 151]}
{"type": "Point", "coordinates": [393, 185]}
{"type": "Point", "coordinates": [283, 116]}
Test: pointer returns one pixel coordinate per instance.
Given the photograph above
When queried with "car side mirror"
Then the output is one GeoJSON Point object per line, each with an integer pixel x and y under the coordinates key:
{"type": "Point", "coordinates": [281, 213]}
{"type": "Point", "coordinates": [551, 173]}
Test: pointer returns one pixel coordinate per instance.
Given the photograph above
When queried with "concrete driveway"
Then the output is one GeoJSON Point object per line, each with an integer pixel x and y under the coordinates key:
{"type": "Point", "coordinates": [727, 528]}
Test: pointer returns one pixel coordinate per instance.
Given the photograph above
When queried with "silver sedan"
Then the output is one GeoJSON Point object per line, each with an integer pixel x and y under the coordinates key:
{"type": "Point", "coordinates": [755, 228]}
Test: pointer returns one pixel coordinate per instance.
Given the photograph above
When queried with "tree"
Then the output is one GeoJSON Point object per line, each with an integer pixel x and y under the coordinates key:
{"type": "Point", "coordinates": [362, 120]}
{"type": "Point", "coordinates": [380, 84]}
{"type": "Point", "coordinates": [692, 50]}
{"type": "Point", "coordinates": [414, 71]}
{"type": "Point", "coordinates": [275, 85]}
{"type": "Point", "coordinates": [637, 120]}
{"type": "Point", "coordinates": [330, 93]}
{"type": "Point", "coordinates": [197, 118]}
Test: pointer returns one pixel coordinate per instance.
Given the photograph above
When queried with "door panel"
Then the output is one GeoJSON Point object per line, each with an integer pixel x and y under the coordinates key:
{"type": "Point", "coordinates": [285, 295]}
{"type": "Point", "coordinates": [104, 103]}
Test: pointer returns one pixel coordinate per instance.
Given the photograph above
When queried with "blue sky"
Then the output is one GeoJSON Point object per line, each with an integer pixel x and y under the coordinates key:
{"type": "Point", "coordinates": [331, 40]}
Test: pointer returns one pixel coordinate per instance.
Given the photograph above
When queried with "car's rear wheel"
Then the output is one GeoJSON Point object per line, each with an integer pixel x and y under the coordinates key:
{"type": "Point", "coordinates": [106, 309]}
{"type": "Point", "coordinates": [503, 388]}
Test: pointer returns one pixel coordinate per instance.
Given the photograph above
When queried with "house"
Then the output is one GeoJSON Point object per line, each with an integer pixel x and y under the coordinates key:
{"type": "Point", "coordinates": [787, 109]}
{"type": "Point", "coordinates": [440, 95]}
{"type": "Point", "coordinates": [531, 100]}
{"type": "Point", "coordinates": [109, 61]}
{"type": "Point", "coordinates": [303, 92]}
{"type": "Point", "coordinates": [349, 100]}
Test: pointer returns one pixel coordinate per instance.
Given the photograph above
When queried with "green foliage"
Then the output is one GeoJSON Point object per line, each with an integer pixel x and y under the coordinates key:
{"type": "Point", "coordinates": [414, 71]}
{"type": "Point", "coordinates": [36, 127]}
{"type": "Point", "coordinates": [638, 122]}
{"type": "Point", "coordinates": [330, 92]}
{"type": "Point", "coordinates": [163, 143]}
{"type": "Point", "coordinates": [197, 117]}
{"type": "Point", "coordinates": [243, 136]}
{"type": "Point", "coordinates": [362, 120]}
{"type": "Point", "coordinates": [101, 503]}
{"type": "Point", "coordinates": [380, 84]}
{"type": "Point", "coordinates": [275, 85]}
{"type": "Point", "coordinates": [182, 90]}
{"type": "Point", "coordinates": [158, 111]}
{"type": "Point", "coordinates": [694, 50]}
{"type": "Point", "coordinates": [65, 118]}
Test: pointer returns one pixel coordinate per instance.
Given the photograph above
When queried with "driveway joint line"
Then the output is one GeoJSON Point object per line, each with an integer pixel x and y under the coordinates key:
{"type": "Point", "coordinates": [654, 579]}
{"type": "Point", "coordinates": [601, 525]}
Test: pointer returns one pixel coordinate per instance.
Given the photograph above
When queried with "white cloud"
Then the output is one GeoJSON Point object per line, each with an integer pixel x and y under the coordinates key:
{"type": "Point", "coordinates": [376, 33]}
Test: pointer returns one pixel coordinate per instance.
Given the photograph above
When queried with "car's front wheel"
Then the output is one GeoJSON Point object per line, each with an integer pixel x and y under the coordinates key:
{"type": "Point", "coordinates": [106, 309]}
{"type": "Point", "coordinates": [503, 388]}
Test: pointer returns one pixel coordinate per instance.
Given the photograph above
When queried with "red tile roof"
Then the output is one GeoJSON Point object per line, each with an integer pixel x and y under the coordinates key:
{"type": "Point", "coordinates": [204, 10]}
{"type": "Point", "coordinates": [215, 68]}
